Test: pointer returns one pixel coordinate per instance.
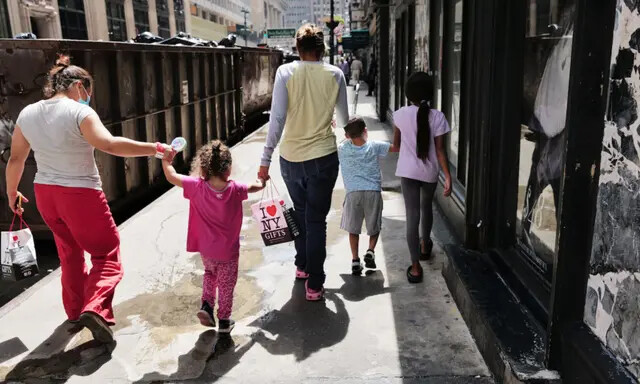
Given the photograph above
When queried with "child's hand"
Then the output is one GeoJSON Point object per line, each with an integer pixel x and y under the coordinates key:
{"type": "Point", "coordinates": [169, 155]}
{"type": "Point", "coordinates": [256, 186]}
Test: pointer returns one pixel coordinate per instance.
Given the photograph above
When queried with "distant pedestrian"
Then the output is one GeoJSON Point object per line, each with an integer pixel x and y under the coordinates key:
{"type": "Point", "coordinates": [215, 220]}
{"type": "Point", "coordinates": [63, 132]}
{"type": "Point", "coordinates": [371, 75]}
{"type": "Point", "coordinates": [359, 160]}
{"type": "Point", "coordinates": [420, 133]}
{"type": "Point", "coordinates": [344, 66]}
{"type": "Point", "coordinates": [305, 95]}
{"type": "Point", "coordinates": [356, 71]}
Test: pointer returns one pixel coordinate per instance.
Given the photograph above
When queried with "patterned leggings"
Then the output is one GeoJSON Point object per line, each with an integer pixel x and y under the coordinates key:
{"type": "Point", "coordinates": [223, 276]}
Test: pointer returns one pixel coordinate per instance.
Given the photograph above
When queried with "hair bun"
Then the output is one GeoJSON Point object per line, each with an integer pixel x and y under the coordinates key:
{"type": "Point", "coordinates": [63, 60]}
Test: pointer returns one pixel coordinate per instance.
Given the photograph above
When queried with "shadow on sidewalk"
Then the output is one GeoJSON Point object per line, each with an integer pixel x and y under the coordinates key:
{"type": "Point", "coordinates": [358, 288]}
{"type": "Point", "coordinates": [210, 348]}
{"type": "Point", "coordinates": [302, 328]}
{"type": "Point", "coordinates": [59, 364]}
{"type": "Point", "coordinates": [11, 348]}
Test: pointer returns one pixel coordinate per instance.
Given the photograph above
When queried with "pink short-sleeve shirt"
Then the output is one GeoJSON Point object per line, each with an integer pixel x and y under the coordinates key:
{"type": "Point", "coordinates": [215, 218]}
{"type": "Point", "coordinates": [409, 165]}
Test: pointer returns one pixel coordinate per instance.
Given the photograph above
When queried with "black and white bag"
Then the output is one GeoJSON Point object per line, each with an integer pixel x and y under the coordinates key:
{"type": "Point", "coordinates": [18, 252]}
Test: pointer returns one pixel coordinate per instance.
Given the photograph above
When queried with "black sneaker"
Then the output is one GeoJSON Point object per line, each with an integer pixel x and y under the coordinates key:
{"type": "Point", "coordinates": [99, 328]}
{"type": "Point", "coordinates": [356, 267]}
{"type": "Point", "coordinates": [205, 315]}
{"type": "Point", "coordinates": [370, 259]}
{"type": "Point", "coordinates": [225, 326]}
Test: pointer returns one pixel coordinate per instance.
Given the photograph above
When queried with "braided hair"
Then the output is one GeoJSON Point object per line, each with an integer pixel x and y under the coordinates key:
{"type": "Point", "coordinates": [62, 76]}
{"type": "Point", "coordinates": [213, 159]}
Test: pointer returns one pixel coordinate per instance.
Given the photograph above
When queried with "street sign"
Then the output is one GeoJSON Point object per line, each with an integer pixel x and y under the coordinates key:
{"type": "Point", "coordinates": [358, 39]}
{"type": "Point", "coordinates": [284, 38]}
{"type": "Point", "coordinates": [285, 32]}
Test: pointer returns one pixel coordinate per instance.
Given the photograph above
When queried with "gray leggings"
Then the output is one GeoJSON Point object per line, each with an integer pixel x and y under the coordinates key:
{"type": "Point", "coordinates": [416, 207]}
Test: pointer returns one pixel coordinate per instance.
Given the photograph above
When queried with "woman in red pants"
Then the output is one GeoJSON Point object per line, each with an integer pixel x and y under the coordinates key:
{"type": "Point", "coordinates": [63, 132]}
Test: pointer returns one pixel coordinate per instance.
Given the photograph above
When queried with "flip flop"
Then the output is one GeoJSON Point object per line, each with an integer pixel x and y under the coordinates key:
{"type": "Point", "coordinates": [414, 279]}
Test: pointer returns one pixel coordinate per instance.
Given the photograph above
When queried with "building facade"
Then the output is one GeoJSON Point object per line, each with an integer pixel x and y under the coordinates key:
{"type": "Point", "coordinates": [268, 14]}
{"type": "Point", "coordinates": [299, 13]}
{"type": "Point", "coordinates": [114, 20]}
{"type": "Point", "coordinates": [541, 97]}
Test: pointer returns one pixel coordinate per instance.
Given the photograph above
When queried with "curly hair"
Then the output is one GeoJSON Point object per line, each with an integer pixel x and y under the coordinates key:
{"type": "Point", "coordinates": [63, 75]}
{"type": "Point", "coordinates": [213, 159]}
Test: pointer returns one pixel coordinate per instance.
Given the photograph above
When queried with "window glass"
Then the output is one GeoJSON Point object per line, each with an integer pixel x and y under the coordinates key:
{"type": "Point", "coordinates": [5, 26]}
{"type": "Point", "coordinates": [72, 19]}
{"type": "Point", "coordinates": [141, 15]}
{"type": "Point", "coordinates": [178, 7]}
{"type": "Point", "coordinates": [548, 41]}
{"type": "Point", "coordinates": [162, 10]}
{"type": "Point", "coordinates": [116, 20]}
{"type": "Point", "coordinates": [452, 148]}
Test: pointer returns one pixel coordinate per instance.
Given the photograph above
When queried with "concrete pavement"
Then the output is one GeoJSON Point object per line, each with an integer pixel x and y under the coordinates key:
{"type": "Point", "coordinates": [375, 328]}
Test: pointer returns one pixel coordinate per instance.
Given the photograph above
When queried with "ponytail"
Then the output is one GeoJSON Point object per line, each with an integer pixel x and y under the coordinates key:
{"type": "Point", "coordinates": [423, 140]}
{"type": "Point", "coordinates": [419, 91]}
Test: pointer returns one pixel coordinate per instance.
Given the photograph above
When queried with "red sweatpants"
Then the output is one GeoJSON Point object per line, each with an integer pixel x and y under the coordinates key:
{"type": "Point", "coordinates": [81, 220]}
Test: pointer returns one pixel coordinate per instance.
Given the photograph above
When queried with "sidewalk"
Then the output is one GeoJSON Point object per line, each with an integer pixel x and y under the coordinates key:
{"type": "Point", "coordinates": [371, 329]}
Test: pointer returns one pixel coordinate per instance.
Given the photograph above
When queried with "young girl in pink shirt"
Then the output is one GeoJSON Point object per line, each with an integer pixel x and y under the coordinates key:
{"type": "Point", "coordinates": [420, 133]}
{"type": "Point", "coordinates": [215, 219]}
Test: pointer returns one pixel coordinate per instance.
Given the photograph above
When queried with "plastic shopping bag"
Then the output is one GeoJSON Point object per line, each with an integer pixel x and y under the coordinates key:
{"type": "Point", "coordinates": [18, 253]}
{"type": "Point", "coordinates": [276, 222]}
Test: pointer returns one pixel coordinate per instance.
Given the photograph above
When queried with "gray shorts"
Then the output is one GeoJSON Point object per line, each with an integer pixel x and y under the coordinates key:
{"type": "Point", "coordinates": [362, 206]}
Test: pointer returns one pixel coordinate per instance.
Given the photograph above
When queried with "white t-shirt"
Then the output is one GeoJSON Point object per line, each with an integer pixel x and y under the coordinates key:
{"type": "Point", "coordinates": [63, 156]}
{"type": "Point", "coordinates": [409, 165]}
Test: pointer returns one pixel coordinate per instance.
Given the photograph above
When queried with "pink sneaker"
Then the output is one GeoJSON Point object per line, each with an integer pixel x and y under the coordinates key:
{"type": "Point", "coordinates": [301, 275]}
{"type": "Point", "coordinates": [313, 295]}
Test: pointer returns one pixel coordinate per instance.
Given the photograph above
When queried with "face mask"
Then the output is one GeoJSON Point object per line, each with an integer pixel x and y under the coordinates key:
{"type": "Point", "coordinates": [85, 102]}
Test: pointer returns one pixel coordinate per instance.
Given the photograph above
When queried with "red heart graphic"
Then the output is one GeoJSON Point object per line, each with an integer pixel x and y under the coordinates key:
{"type": "Point", "coordinates": [15, 238]}
{"type": "Point", "coordinates": [281, 202]}
{"type": "Point", "coordinates": [272, 210]}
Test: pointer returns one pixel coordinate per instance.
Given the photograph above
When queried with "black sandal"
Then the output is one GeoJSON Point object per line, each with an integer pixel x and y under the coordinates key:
{"type": "Point", "coordinates": [414, 279]}
{"type": "Point", "coordinates": [429, 254]}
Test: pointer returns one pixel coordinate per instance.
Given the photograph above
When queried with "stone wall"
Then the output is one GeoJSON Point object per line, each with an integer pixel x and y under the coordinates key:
{"type": "Point", "coordinates": [612, 308]}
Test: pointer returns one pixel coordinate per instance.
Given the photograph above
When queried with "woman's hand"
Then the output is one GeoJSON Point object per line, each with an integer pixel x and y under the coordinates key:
{"type": "Point", "coordinates": [15, 202]}
{"type": "Point", "coordinates": [447, 186]}
{"type": "Point", "coordinates": [263, 173]}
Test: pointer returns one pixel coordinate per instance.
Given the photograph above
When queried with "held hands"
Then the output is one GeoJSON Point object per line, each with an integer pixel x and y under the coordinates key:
{"type": "Point", "coordinates": [15, 202]}
{"type": "Point", "coordinates": [165, 152]}
{"type": "Point", "coordinates": [257, 185]}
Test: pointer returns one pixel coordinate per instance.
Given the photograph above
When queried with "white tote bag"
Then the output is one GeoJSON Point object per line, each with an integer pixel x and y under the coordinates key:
{"type": "Point", "coordinates": [18, 253]}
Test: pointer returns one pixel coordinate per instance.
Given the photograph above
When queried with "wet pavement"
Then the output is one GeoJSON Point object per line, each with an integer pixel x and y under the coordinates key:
{"type": "Point", "coordinates": [374, 328]}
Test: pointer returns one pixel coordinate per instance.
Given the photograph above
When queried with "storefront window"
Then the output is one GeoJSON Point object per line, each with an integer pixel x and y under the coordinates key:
{"type": "Point", "coordinates": [543, 135]}
{"type": "Point", "coordinates": [72, 19]}
{"type": "Point", "coordinates": [116, 20]}
{"type": "Point", "coordinates": [455, 86]}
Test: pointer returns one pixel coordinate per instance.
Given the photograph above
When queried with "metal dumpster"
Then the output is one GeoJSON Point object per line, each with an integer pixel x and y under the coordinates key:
{"type": "Point", "coordinates": [142, 91]}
